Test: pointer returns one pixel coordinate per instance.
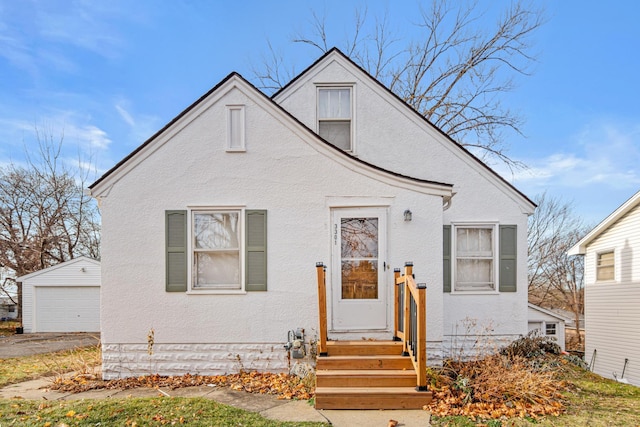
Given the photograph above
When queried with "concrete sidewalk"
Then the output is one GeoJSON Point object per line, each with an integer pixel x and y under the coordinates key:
{"type": "Point", "coordinates": [267, 406]}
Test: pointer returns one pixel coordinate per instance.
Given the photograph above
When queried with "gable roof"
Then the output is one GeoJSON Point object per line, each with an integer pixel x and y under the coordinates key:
{"type": "Point", "coordinates": [440, 188]}
{"type": "Point", "coordinates": [57, 266]}
{"type": "Point", "coordinates": [336, 51]}
{"type": "Point", "coordinates": [548, 312]}
{"type": "Point", "coordinates": [580, 248]}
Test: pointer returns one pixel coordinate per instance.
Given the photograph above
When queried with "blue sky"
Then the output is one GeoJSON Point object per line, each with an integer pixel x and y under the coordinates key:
{"type": "Point", "coordinates": [108, 74]}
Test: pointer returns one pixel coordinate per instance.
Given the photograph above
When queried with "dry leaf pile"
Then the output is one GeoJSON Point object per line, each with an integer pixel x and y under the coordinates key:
{"type": "Point", "coordinates": [282, 385]}
{"type": "Point", "coordinates": [500, 385]}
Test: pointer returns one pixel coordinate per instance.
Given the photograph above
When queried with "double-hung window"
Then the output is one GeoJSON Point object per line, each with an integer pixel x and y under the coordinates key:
{"type": "Point", "coordinates": [605, 266]}
{"type": "Point", "coordinates": [335, 116]}
{"type": "Point", "coordinates": [475, 258]}
{"type": "Point", "coordinates": [216, 250]}
{"type": "Point", "coordinates": [215, 243]}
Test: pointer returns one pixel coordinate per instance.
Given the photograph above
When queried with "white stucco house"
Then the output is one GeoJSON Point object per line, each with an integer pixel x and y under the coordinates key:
{"type": "Point", "coordinates": [612, 293]}
{"type": "Point", "coordinates": [211, 229]}
{"type": "Point", "coordinates": [62, 298]}
{"type": "Point", "coordinates": [548, 323]}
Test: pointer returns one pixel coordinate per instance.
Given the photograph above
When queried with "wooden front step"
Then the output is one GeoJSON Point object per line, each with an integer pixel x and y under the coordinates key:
{"type": "Point", "coordinates": [367, 375]}
{"type": "Point", "coordinates": [363, 348]}
{"type": "Point", "coordinates": [366, 378]}
{"type": "Point", "coordinates": [371, 398]}
{"type": "Point", "coordinates": [364, 362]}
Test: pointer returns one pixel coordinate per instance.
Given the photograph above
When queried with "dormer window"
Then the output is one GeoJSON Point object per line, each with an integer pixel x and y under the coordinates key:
{"type": "Point", "coordinates": [334, 116]}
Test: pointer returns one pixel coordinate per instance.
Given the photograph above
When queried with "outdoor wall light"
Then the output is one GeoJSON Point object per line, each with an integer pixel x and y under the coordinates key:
{"type": "Point", "coordinates": [407, 215]}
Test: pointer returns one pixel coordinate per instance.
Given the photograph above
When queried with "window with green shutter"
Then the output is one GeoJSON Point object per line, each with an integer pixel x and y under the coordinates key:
{"type": "Point", "coordinates": [472, 258]}
{"type": "Point", "coordinates": [176, 250]}
{"type": "Point", "coordinates": [256, 250]}
{"type": "Point", "coordinates": [446, 258]}
{"type": "Point", "coordinates": [508, 258]}
{"type": "Point", "coordinates": [217, 251]}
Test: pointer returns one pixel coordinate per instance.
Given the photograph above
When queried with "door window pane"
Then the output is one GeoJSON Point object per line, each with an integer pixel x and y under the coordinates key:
{"type": "Point", "coordinates": [359, 249]}
{"type": "Point", "coordinates": [359, 279]}
{"type": "Point", "coordinates": [359, 237]}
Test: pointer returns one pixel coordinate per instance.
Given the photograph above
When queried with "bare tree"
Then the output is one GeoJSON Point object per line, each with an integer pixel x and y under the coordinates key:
{"type": "Point", "coordinates": [45, 217]}
{"type": "Point", "coordinates": [556, 280]}
{"type": "Point", "coordinates": [453, 72]}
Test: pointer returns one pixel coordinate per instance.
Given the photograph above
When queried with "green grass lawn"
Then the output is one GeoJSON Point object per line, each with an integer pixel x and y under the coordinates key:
{"type": "Point", "coordinates": [132, 412]}
{"type": "Point", "coordinates": [18, 369]}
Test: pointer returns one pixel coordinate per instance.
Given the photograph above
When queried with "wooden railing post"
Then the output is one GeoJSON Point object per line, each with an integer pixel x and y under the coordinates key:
{"type": "Point", "coordinates": [410, 321]}
{"type": "Point", "coordinates": [396, 304]}
{"type": "Point", "coordinates": [421, 345]}
{"type": "Point", "coordinates": [408, 272]}
{"type": "Point", "coordinates": [321, 271]}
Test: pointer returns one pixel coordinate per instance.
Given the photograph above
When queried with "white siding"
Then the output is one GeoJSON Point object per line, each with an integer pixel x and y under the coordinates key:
{"type": "Point", "coordinates": [612, 309]}
{"type": "Point", "coordinates": [79, 272]}
{"type": "Point", "coordinates": [612, 316]}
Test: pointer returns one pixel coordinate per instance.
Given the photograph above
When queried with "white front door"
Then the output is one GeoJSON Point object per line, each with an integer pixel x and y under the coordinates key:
{"type": "Point", "coordinates": [359, 291]}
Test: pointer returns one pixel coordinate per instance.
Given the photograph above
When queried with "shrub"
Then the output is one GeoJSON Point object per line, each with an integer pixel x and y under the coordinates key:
{"type": "Point", "coordinates": [532, 346]}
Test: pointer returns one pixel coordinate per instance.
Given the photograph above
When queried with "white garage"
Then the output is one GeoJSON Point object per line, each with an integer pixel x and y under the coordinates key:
{"type": "Point", "coordinates": [62, 298]}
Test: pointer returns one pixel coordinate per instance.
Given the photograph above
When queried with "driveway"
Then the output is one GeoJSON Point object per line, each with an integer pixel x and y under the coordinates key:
{"type": "Point", "coordinates": [38, 343]}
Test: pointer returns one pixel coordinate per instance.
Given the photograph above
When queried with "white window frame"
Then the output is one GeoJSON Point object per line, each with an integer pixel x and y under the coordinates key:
{"type": "Point", "coordinates": [598, 266]}
{"type": "Point", "coordinates": [455, 287]}
{"type": "Point", "coordinates": [232, 288]}
{"type": "Point", "coordinates": [236, 141]}
{"type": "Point", "coordinates": [339, 86]}
{"type": "Point", "coordinates": [555, 329]}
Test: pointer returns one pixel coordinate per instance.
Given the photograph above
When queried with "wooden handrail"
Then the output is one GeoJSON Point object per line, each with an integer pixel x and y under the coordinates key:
{"type": "Point", "coordinates": [321, 272]}
{"type": "Point", "coordinates": [411, 321]}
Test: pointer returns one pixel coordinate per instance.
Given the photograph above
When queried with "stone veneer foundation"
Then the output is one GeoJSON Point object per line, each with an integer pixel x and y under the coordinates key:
{"type": "Point", "coordinates": [130, 360]}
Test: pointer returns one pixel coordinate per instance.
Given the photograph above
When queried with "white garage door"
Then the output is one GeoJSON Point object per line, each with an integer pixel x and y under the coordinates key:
{"type": "Point", "coordinates": [67, 309]}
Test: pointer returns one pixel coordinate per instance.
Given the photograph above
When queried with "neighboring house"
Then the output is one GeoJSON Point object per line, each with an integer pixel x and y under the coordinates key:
{"type": "Point", "coordinates": [62, 298]}
{"type": "Point", "coordinates": [612, 293]}
{"type": "Point", "coordinates": [548, 323]}
{"type": "Point", "coordinates": [8, 309]}
{"type": "Point", "coordinates": [212, 228]}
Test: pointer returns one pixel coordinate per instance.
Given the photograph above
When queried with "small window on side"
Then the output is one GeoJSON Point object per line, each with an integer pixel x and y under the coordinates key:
{"type": "Point", "coordinates": [551, 328]}
{"type": "Point", "coordinates": [605, 266]}
{"type": "Point", "coordinates": [235, 128]}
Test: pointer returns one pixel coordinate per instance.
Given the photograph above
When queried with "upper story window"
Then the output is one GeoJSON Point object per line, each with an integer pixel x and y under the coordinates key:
{"type": "Point", "coordinates": [605, 266]}
{"type": "Point", "coordinates": [335, 116]}
{"type": "Point", "coordinates": [475, 258]}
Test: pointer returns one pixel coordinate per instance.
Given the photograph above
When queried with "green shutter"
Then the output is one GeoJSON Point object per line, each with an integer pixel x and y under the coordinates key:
{"type": "Point", "coordinates": [446, 258]}
{"type": "Point", "coordinates": [508, 258]}
{"type": "Point", "coordinates": [256, 250]}
{"type": "Point", "coordinates": [176, 249]}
